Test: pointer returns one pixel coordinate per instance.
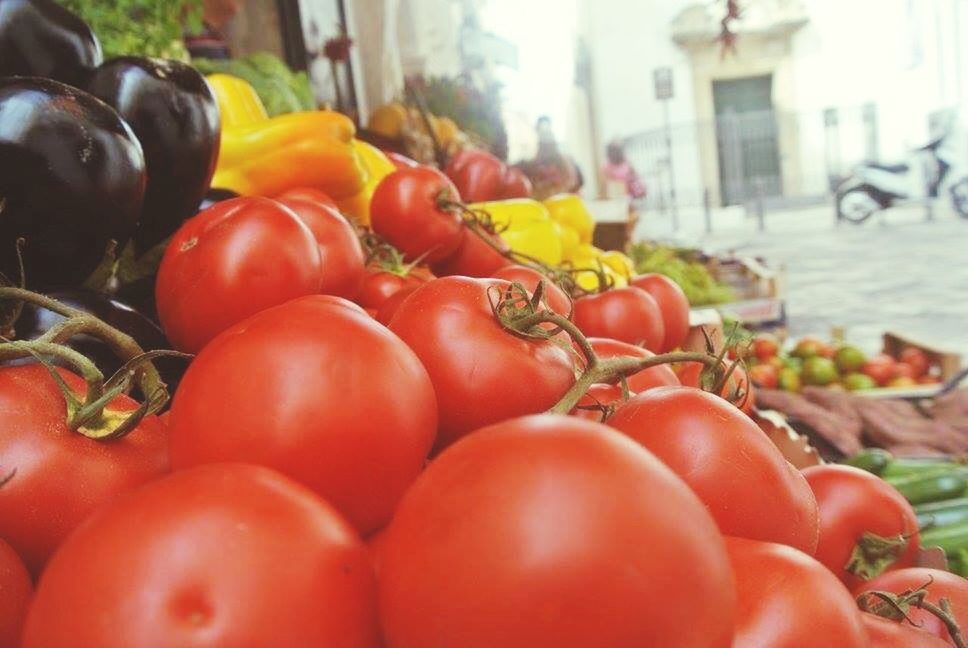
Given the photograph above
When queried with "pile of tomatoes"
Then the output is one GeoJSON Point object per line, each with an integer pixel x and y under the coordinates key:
{"type": "Point", "coordinates": [362, 454]}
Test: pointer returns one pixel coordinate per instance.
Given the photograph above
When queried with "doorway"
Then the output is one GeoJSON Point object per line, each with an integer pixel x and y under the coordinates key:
{"type": "Point", "coordinates": [746, 139]}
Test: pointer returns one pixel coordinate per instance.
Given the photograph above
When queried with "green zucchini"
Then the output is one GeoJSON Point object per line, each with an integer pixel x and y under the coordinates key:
{"type": "Point", "coordinates": [905, 467]}
{"type": "Point", "coordinates": [932, 487]}
{"type": "Point", "coordinates": [873, 460]}
{"type": "Point", "coordinates": [951, 538]}
{"type": "Point", "coordinates": [943, 513]}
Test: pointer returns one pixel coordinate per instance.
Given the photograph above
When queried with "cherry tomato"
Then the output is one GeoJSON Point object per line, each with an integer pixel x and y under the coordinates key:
{"type": "Point", "coordinates": [939, 584]}
{"type": "Point", "coordinates": [786, 598]}
{"type": "Point", "coordinates": [880, 368]}
{"type": "Point", "coordinates": [885, 633]}
{"type": "Point", "coordinates": [657, 376]}
{"type": "Point", "coordinates": [474, 257]}
{"type": "Point", "coordinates": [625, 314]}
{"type": "Point", "coordinates": [341, 255]}
{"type": "Point", "coordinates": [765, 375]}
{"type": "Point", "coordinates": [765, 347]}
{"type": "Point", "coordinates": [515, 184]}
{"type": "Point", "coordinates": [318, 390]}
{"type": "Point", "coordinates": [741, 477]}
{"type": "Point", "coordinates": [380, 285]}
{"type": "Point", "coordinates": [555, 297]}
{"type": "Point", "coordinates": [552, 531]}
{"type": "Point", "coordinates": [593, 405]}
{"type": "Point", "coordinates": [15, 592]}
{"type": "Point", "coordinates": [221, 555]}
{"type": "Point", "coordinates": [478, 175]}
{"type": "Point", "coordinates": [62, 476]}
{"type": "Point", "coordinates": [406, 210]}
{"type": "Point", "coordinates": [673, 304]}
{"type": "Point", "coordinates": [917, 360]}
{"type": "Point", "coordinates": [310, 194]}
{"type": "Point", "coordinates": [853, 503]}
{"type": "Point", "coordinates": [482, 373]}
{"type": "Point", "coordinates": [230, 261]}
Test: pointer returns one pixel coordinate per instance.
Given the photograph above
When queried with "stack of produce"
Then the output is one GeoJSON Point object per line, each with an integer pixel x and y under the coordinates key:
{"type": "Point", "coordinates": [685, 268]}
{"type": "Point", "coordinates": [361, 453]}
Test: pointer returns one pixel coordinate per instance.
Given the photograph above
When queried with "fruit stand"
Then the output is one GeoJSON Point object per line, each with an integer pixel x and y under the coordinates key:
{"type": "Point", "coordinates": [272, 377]}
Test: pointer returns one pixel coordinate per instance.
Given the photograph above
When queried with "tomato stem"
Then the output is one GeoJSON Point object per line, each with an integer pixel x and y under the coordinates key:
{"type": "Point", "coordinates": [895, 607]}
{"type": "Point", "coordinates": [873, 554]}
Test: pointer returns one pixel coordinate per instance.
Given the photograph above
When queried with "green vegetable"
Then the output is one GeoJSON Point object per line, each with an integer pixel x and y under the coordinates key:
{"type": "Point", "coordinates": [906, 467]}
{"type": "Point", "coordinates": [930, 487]}
{"type": "Point", "coordinates": [944, 513]}
{"type": "Point", "coordinates": [280, 89]}
{"type": "Point", "coordinates": [682, 267]}
{"type": "Point", "coordinates": [951, 538]}
{"type": "Point", "coordinates": [140, 27]}
{"type": "Point", "coordinates": [873, 460]}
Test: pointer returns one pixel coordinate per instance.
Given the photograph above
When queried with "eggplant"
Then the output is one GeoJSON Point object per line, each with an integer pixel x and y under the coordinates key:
{"type": "Point", "coordinates": [174, 114]}
{"type": "Point", "coordinates": [72, 179]}
{"type": "Point", "coordinates": [43, 39]}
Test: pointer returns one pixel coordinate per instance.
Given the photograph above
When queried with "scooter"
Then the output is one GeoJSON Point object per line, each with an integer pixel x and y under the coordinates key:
{"type": "Point", "coordinates": [933, 168]}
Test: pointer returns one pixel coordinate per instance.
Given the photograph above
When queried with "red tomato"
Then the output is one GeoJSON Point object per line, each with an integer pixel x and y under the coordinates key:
{"type": "Point", "coordinates": [786, 598]}
{"type": "Point", "coordinates": [477, 174]}
{"type": "Point", "coordinates": [917, 360]}
{"type": "Point", "coordinates": [658, 376]}
{"type": "Point", "coordinates": [943, 584]}
{"type": "Point", "coordinates": [233, 260]}
{"type": "Point", "coordinates": [853, 503]}
{"type": "Point", "coordinates": [885, 633]}
{"type": "Point", "coordinates": [62, 476]}
{"type": "Point", "coordinates": [554, 296]}
{"type": "Point", "coordinates": [406, 211]}
{"type": "Point", "coordinates": [598, 397]}
{"type": "Point", "coordinates": [880, 368]}
{"type": "Point", "coordinates": [380, 285]}
{"type": "Point", "coordinates": [765, 375]}
{"type": "Point", "coordinates": [482, 373]}
{"type": "Point", "coordinates": [318, 390]}
{"type": "Point", "coordinates": [392, 303]}
{"type": "Point", "coordinates": [737, 389]}
{"type": "Point", "coordinates": [310, 194]}
{"type": "Point", "coordinates": [765, 347]}
{"type": "Point", "coordinates": [15, 591]}
{"type": "Point", "coordinates": [474, 257]}
{"type": "Point", "coordinates": [222, 555]}
{"type": "Point", "coordinates": [401, 161]}
{"type": "Point", "coordinates": [903, 370]}
{"type": "Point", "coordinates": [626, 314]}
{"type": "Point", "coordinates": [552, 531]}
{"type": "Point", "coordinates": [741, 477]}
{"type": "Point", "coordinates": [515, 184]}
{"type": "Point", "coordinates": [673, 304]}
{"type": "Point", "coordinates": [340, 253]}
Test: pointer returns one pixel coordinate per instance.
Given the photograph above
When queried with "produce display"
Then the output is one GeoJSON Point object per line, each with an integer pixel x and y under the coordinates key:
{"type": "Point", "coordinates": [403, 417]}
{"type": "Point", "coordinates": [681, 266]}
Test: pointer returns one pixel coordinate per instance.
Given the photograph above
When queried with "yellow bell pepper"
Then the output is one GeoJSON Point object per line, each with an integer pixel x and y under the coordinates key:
{"type": "Point", "coordinates": [377, 166]}
{"type": "Point", "coordinates": [570, 210]}
{"type": "Point", "coordinates": [621, 264]}
{"type": "Point", "coordinates": [526, 227]}
{"type": "Point", "coordinates": [569, 240]}
{"type": "Point", "coordinates": [259, 156]}
{"type": "Point", "coordinates": [591, 258]}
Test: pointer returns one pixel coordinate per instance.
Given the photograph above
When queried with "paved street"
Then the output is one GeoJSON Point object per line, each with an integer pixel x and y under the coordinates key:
{"type": "Point", "coordinates": [896, 272]}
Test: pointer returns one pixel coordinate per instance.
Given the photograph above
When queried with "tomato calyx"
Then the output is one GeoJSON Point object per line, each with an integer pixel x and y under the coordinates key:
{"type": "Point", "coordinates": [874, 553]}
{"type": "Point", "coordinates": [387, 258]}
{"type": "Point", "coordinates": [896, 606]}
{"type": "Point", "coordinates": [91, 415]}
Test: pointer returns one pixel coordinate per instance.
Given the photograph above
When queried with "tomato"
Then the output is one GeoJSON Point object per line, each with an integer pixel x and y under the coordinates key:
{"type": "Point", "coordinates": [657, 376]}
{"type": "Point", "coordinates": [880, 368]}
{"type": "Point", "coordinates": [808, 347]}
{"type": "Point", "coordinates": [903, 370]}
{"type": "Point", "coordinates": [482, 373]}
{"type": "Point", "coordinates": [221, 555]}
{"type": "Point", "coordinates": [943, 584]}
{"type": "Point", "coordinates": [593, 405]}
{"type": "Point", "coordinates": [406, 210]}
{"type": "Point", "coordinates": [400, 161]}
{"type": "Point", "coordinates": [389, 307]}
{"type": "Point", "coordinates": [552, 531]}
{"type": "Point", "coordinates": [310, 194]}
{"type": "Point", "coordinates": [765, 346]}
{"type": "Point", "coordinates": [626, 314]}
{"type": "Point", "coordinates": [853, 503]}
{"type": "Point", "coordinates": [380, 285]}
{"type": "Point", "coordinates": [341, 255]}
{"type": "Point", "coordinates": [318, 390]}
{"type": "Point", "coordinates": [917, 360]}
{"type": "Point", "coordinates": [62, 476]}
{"type": "Point", "coordinates": [233, 260]}
{"type": "Point", "coordinates": [765, 375]}
{"type": "Point", "coordinates": [786, 598]}
{"type": "Point", "coordinates": [515, 184]}
{"type": "Point", "coordinates": [741, 477]}
{"type": "Point", "coordinates": [15, 592]}
{"type": "Point", "coordinates": [737, 389]}
{"type": "Point", "coordinates": [885, 633]}
{"type": "Point", "coordinates": [673, 304]}
{"type": "Point", "coordinates": [554, 296]}
{"type": "Point", "coordinates": [474, 257]}
{"type": "Point", "coordinates": [477, 174]}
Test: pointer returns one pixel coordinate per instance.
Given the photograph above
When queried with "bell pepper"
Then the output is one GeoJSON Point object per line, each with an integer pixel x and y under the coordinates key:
{"type": "Point", "coordinates": [238, 103]}
{"type": "Point", "coordinates": [569, 240]}
{"type": "Point", "coordinates": [570, 210]}
{"type": "Point", "coordinates": [526, 227]}
{"type": "Point", "coordinates": [618, 262]}
{"type": "Point", "coordinates": [591, 258]}
{"type": "Point", "coordinates": [264, 157]}
{"type": "Point", "coordinates": [377, 166]}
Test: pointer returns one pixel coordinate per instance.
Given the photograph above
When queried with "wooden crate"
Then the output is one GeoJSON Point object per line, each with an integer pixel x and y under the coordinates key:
{"type": "Point", "coordinates": [947, 362]}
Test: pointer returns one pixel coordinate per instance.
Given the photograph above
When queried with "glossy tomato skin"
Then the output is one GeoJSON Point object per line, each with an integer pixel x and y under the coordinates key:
{"type": "Point", "coordinates": [554, 296]}
{"type": "Point", "coordinates": [786, 598]}
{"type": "Point", "coordinates": [389, 308]}
{"type": "Point", "coordinates": [474, 257]}
{"type": "Point", "coordinates": [380, 285]}
{"type": "Point", "coordinates": [885, 633]}
{"type": "Point", "coordinates": [657, 376]}
{"type": "Point", "coordinates": [747, 485]}
{"type": "Point", "coordinates": [531, 533]}
{"type": "Point", "coordinates": [478, 175]}
{"type": "Point", "coordinates": [62, 476]}
{"type": "Point", "coordinates": [220, 555]}
{"type": "Point", "coordinates": [481, 372]}
{"type": "Point", "coordinates": [342, 264]}
{"type": "Point", "coordinates": [318, 390]}
{"type": "Point", "coordinates": [16, 589]}
{"type": "Point", "coordinates": [854, 502]}
{"type": "Point", "coordinates": [405, 211]}
{"type": "Point", "coordinates": [625, 314]}
{"type": "Point", "coordinates": [515, 184]}
{"type": "Point", "coordinates": [310, 194]}
{"type": "Point", "coordinates": [230, 261]}
{"type": "Point", "coordinates": [672, 303]}
{"type": "Point", "coordinates": [943, 584]}
{"type": "Point", "coordinates": [598, 396]}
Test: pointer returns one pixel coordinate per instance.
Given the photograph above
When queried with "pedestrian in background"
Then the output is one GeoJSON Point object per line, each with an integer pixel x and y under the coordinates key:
{"type": "Point", "coordinates": [619, 171]}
